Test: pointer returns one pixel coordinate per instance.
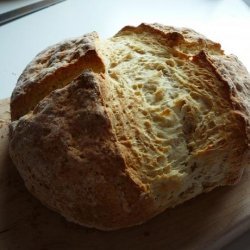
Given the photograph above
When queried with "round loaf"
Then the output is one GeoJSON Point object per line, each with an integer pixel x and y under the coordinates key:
{"type": "Point", "coordinates": [111, 133]}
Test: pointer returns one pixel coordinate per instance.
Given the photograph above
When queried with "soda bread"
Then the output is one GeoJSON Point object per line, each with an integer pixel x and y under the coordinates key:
{"type": "Point", "coordinates": [111, 133]}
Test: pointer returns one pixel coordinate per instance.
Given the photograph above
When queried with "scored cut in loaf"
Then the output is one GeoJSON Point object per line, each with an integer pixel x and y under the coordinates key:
{"type": "Point", "coordinates": [111, 133]}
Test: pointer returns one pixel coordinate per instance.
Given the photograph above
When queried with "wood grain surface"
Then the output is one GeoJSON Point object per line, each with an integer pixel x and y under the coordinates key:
{"type": "Point", "coordinates": [206, 222]}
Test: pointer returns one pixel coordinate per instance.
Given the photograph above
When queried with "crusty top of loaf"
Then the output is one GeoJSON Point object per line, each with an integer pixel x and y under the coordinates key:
{"type": "Point", "coordinates": [71, 131]}
{"type": "Point", "coordinates": [52, 68]}
{"type": "Point", "coordinates": [160, 116]}
{"type": "Point", "coordinates": [183, 39]}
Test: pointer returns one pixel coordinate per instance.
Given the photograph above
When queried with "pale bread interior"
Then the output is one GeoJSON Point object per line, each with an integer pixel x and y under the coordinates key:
{"type": "Point", "coordinates": [171, 113]}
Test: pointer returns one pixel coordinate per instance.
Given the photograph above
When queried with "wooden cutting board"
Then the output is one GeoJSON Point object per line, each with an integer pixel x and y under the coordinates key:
{"type": "Point", "coordinates": [206, 222]}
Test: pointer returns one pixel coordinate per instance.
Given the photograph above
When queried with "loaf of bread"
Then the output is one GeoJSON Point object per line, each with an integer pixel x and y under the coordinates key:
{"type": "Point", "coordinates": [111, 133]}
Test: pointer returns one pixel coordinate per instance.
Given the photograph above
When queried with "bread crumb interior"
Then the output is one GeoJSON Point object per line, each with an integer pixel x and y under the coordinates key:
{"type": "Point", "coordinates": [164, 107]}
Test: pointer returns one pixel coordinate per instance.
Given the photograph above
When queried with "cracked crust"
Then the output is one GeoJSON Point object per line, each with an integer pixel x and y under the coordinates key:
{"type": "Point", "coordinates": [71, 131]}
{"type": "Point", "coordinates": [185, 40]}
{"type": "Point", "coordinates": [161, 116]}
{"type": "Point", "coordinates": [237, 80]}
{"type": "Point", "coordinates": [228, 69]}
{"type": "Point", "coordinates": [53, 68]}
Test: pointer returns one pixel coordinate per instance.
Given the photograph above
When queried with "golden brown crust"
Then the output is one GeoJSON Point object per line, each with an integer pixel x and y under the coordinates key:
{"type": "Point", "coordinates": [233, 73]}
{"type": "Point", "coordinates": [236, 82]}
{"type": "Point", "coordinates": [177, 37]}
{"type": "Point", "coordinates": [236, 76]}
{"type": "Point", "coordinates": [70, 130]}
{"type": "Point", "coordinates": [53, 68]}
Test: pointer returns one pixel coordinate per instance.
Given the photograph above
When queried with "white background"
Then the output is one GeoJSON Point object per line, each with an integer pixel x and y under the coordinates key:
{"type": "Point", "coordinates": [225, 21]}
